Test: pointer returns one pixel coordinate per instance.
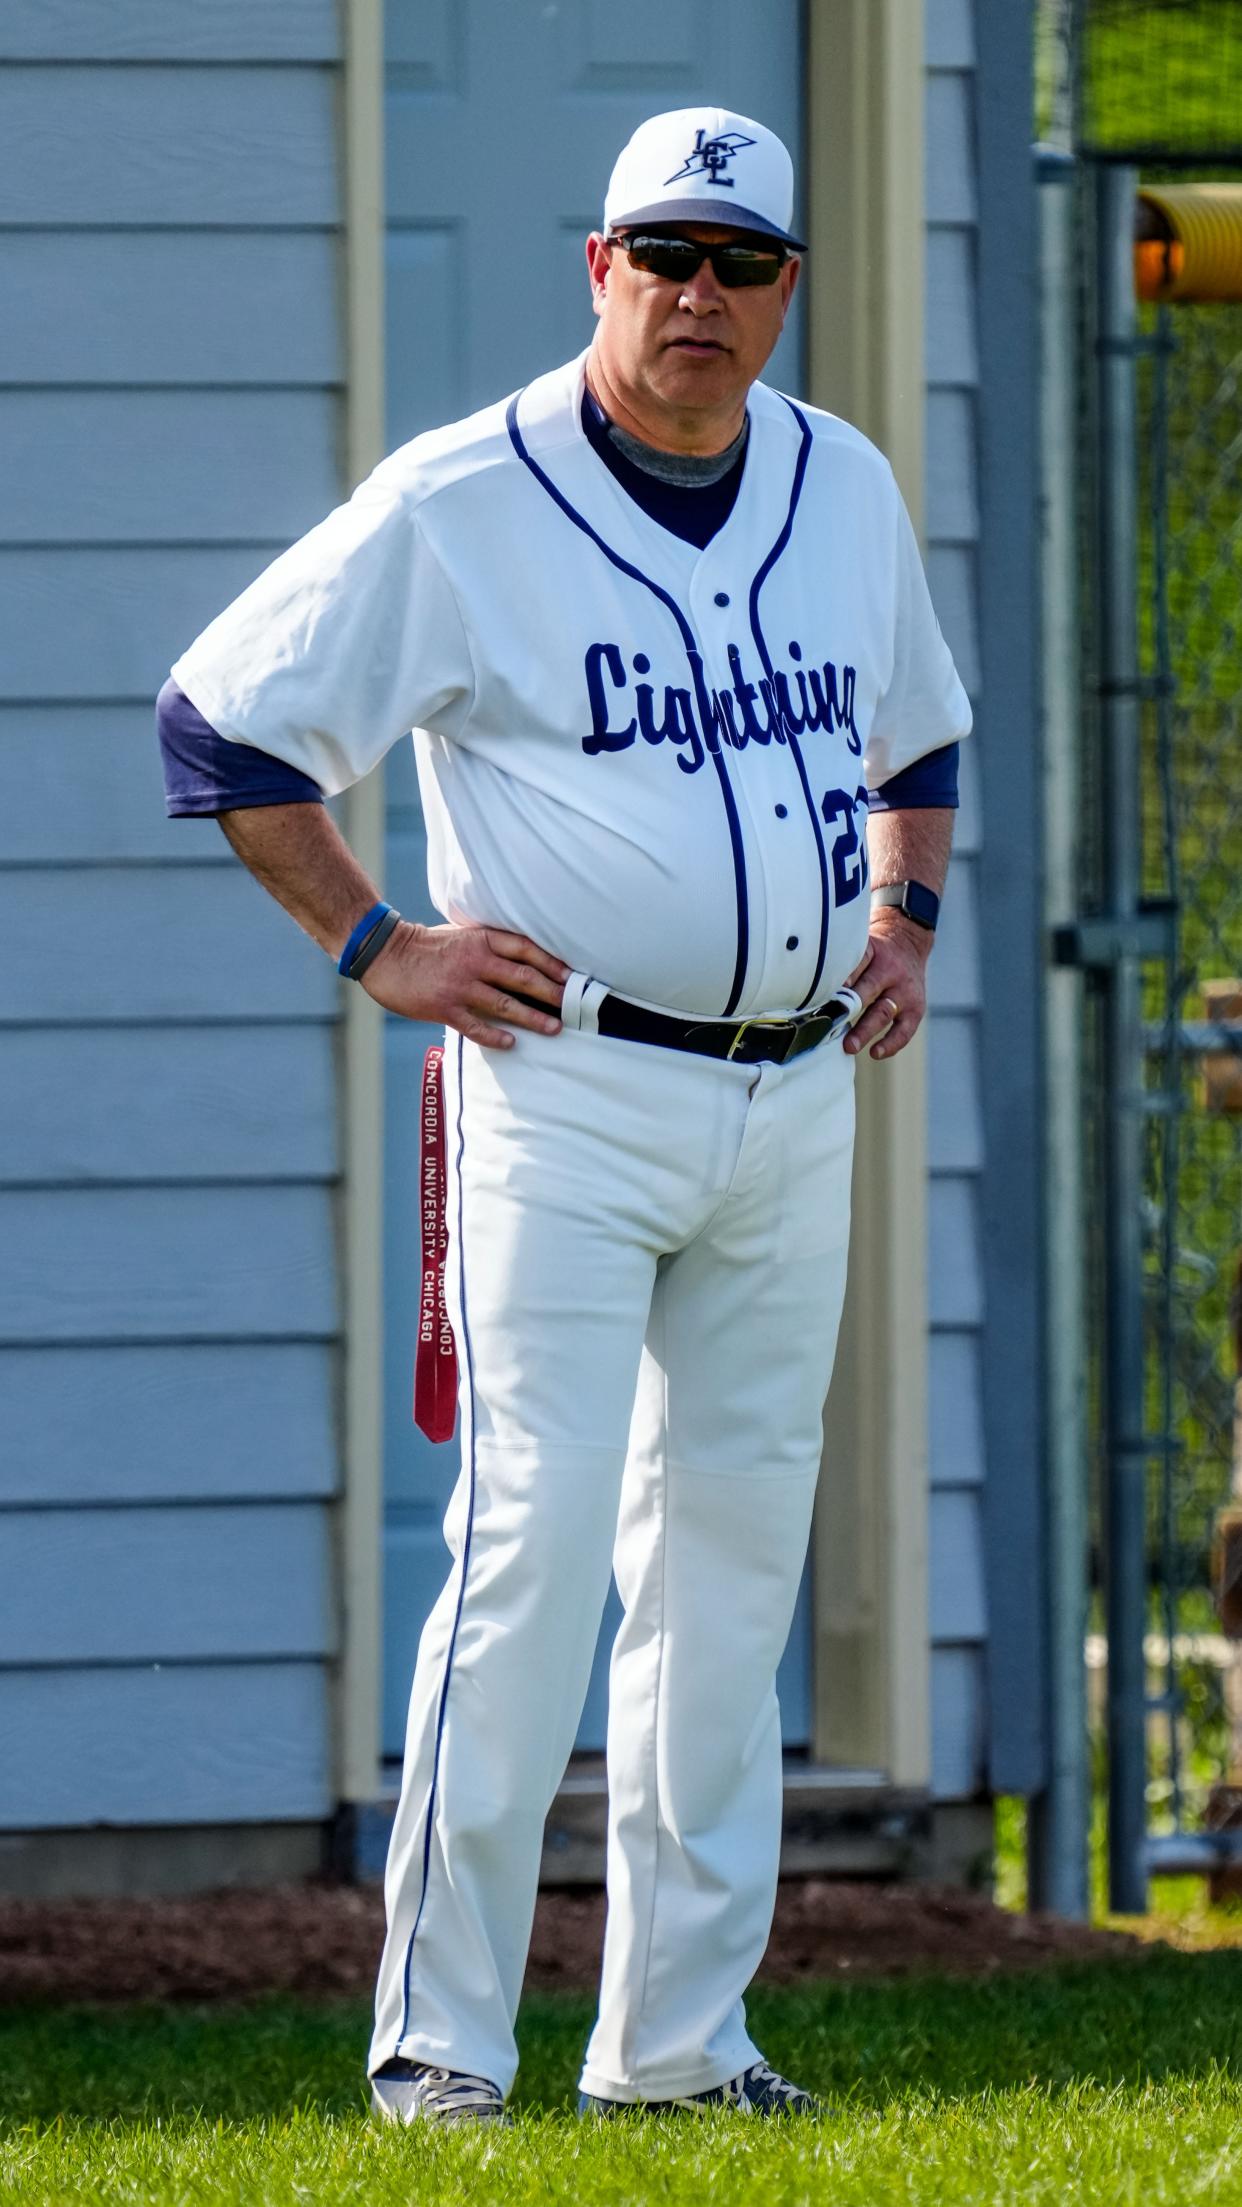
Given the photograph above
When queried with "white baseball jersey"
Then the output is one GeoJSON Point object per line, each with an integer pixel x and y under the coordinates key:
{"type": "Point", "coordinates": [653, 760]}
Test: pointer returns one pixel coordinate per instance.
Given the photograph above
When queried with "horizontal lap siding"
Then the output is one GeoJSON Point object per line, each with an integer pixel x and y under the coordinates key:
{"type": "Point", "coordinates": [153, 943]}
{"type": "Point", "coordinates": [955, 1142]}
{"type": "Point", "coordinates": [186, 308]}
{"type": "Point", "coordinates": [142, 467]}
{"type": "Point", "coordinates": [140, 1422]}
{"type": "Point", "coordinates": [89, 148]}
{"type": "Point", "coordinates": [227, 1103]}
{"type": "Point", "coordinates": [164, 1585]}
{"type": "Point", "coordinates": [80, 784]}
{"type": "Point", "coordinates": [209, 1743]}
{"type": "Point", "coordinates": [155, 30]}
{"type": "Point", "coordinates": [101, 623]}
{"type": "Point", "coordinates": [170, 417]}
{"type": "Point", "coordinates": [166, 1263]}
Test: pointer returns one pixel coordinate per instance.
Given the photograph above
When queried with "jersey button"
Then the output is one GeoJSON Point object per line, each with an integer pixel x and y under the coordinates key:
{"type": "Point", "coordinates": [791, 942]}
{"type": "Point", "coordinates": [782, 812]}
{"type": "Point", "coordinates": [722, 597]}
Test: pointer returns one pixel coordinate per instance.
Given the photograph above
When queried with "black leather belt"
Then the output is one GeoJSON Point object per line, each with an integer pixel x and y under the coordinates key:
{"type": "Point", "coordinates": [742, 1041]}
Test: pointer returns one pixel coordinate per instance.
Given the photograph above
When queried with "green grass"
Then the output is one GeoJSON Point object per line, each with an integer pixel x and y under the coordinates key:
{"type": "Point", "coordinates": [1119, 2082]}
{"type": "Point", "coordinates": [1180, 1910]}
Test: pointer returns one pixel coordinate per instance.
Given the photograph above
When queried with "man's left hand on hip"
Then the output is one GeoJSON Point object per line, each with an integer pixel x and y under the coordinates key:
{"type": "Point", "coordinates": [891, 980]}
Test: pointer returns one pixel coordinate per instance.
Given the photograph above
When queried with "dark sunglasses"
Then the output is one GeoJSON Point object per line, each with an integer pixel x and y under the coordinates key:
{"type": "Point", "coordinates": [678, 259]}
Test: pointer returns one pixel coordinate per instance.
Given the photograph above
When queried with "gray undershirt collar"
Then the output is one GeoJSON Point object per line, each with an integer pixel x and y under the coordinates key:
{"type": "Point", "coordinates": [689, 470]}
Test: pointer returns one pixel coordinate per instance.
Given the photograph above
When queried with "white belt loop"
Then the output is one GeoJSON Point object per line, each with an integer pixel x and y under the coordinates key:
{"type": "Point", "coordinates": [853, 1006]}
{"type": "Point", "coordinates": [571, 1000]}
{"type": "Point", "coordinates": [577, 988]}
{"type": "Point", "coordinates": [592, 997]}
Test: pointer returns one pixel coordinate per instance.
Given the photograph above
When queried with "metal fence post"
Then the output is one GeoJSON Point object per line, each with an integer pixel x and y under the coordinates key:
{"type": "Point", "coordinates": [1125, 1459]}
{"type": "Point", "coordinates": [1061, 1817]}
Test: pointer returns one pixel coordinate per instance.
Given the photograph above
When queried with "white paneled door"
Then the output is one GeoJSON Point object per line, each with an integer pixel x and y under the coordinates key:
{"type": "Point", "coordinates": [503, 119]}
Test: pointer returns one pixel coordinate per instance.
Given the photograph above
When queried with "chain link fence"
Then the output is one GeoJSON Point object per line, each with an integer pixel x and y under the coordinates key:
{"type": "Point", "coordinates": [1157, 85]}
{"type": "Point", "coordinates": [1190, 580]}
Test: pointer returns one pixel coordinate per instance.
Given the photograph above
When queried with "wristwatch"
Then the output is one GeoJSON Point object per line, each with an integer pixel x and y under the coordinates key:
{"type": "Point", "coordinates": [919, 904]}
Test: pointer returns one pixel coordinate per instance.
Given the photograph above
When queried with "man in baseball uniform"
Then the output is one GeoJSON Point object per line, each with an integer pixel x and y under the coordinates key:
{"type": "Point", "coordinates": [680, 707]}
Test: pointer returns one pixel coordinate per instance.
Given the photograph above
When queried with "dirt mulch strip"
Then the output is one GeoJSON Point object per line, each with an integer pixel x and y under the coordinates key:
{"type": "Point", "coordinates": [323, 1941]}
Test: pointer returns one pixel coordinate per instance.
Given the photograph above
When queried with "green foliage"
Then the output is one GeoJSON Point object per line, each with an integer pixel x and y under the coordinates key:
{"type": "Point", "coordinates": [1181, 1910]}
{"type": "Point", "coordinates": [1114, 2083]}
{"type": "Point", "coordinates": [1162, 73]}
{"type": "Point", "coordinates": [1009, 1880]}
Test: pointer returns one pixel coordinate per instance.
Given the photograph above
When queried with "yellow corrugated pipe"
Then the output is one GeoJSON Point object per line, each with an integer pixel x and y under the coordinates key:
{"type": "Point", "coordinates": [1188, 242]}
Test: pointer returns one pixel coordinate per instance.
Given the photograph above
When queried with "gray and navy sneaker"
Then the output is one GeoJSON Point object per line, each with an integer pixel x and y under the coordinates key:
{"type": "Point", "coordinates": [758, 2091]}
{"type": "Point", "coordinates": [415, 2092]}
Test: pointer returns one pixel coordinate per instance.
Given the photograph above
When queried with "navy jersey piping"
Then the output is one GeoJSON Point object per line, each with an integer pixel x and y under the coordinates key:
{"type": "Point", "coordinates": [465, 1552]}
{"type": "Point", "coordinates": [698, 677]}
{"type": "Point", "coordinates": [795, 493]}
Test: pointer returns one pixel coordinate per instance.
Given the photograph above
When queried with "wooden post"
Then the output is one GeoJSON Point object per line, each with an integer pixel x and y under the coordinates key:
{"type": "Point", "coordinates": [865, 208]}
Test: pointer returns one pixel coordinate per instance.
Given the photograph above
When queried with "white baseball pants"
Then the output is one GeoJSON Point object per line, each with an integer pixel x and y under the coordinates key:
{"type": "Point", "coordinates": [645, 1275]}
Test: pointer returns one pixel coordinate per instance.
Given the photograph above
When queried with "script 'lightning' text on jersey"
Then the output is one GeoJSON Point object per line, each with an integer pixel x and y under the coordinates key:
{"type": "Point", "coordinates": [784, 703]}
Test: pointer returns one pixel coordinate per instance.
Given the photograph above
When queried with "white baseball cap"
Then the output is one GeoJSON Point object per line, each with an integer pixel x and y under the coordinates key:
{"type": "Point", "coordinates": [703, 164]}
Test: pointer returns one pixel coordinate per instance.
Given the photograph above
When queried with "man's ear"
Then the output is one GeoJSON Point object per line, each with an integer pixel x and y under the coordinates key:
{"type": "Point", "coordinates": [598, 265]}
{"type": "Point", "coordinates": [795, 270]}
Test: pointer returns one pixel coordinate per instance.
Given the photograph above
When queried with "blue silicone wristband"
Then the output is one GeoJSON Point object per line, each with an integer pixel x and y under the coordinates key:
{"type": "Point", "coordinates": [366, 926]}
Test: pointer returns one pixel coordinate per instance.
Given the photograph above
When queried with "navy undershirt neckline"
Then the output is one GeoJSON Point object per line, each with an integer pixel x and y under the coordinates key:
{"type": "Point", "coordinates": [693, 511]}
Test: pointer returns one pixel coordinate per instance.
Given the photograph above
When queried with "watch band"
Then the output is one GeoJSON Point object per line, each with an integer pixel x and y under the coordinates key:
{"type": "Point", "coordinates": [919, 903]}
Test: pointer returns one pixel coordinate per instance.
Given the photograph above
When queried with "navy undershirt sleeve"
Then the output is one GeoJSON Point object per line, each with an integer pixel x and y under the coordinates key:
{"type": "Point", "coordinates": [931, 781]}
{"type": "Point", "coordinates": [206, 774]}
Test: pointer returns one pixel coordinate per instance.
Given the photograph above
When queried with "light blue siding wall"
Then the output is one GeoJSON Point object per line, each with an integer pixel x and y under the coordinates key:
{"type": "Point", "coordinates": [170, 415]}
{"type": "Point", "coordinates": [955, 1143]}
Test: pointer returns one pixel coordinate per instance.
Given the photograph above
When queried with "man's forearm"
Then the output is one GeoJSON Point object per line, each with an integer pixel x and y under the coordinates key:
{"type": "Point", "coordinates": [910, 845]}
{"type": "Point", "coordinates": [303, 860]}
{"type": "Point", "coordinates": [480, 980]}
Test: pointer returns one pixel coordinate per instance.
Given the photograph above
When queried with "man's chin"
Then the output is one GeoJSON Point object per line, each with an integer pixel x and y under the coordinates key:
{"type": "Point", "coordinates": [688, 376]}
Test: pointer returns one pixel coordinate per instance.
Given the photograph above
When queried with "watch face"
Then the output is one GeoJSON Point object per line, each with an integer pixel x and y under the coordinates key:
{"type": "Point", "coordinates": [921, 904]}
{"type": "Point", "coordinates": [918, 904]}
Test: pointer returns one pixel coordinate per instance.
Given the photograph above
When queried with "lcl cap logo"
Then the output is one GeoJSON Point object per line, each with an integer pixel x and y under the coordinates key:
{"type": "Point", "coordinates": [679, 166]}
{"type": "Point", "coordinates": [708, 156]}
